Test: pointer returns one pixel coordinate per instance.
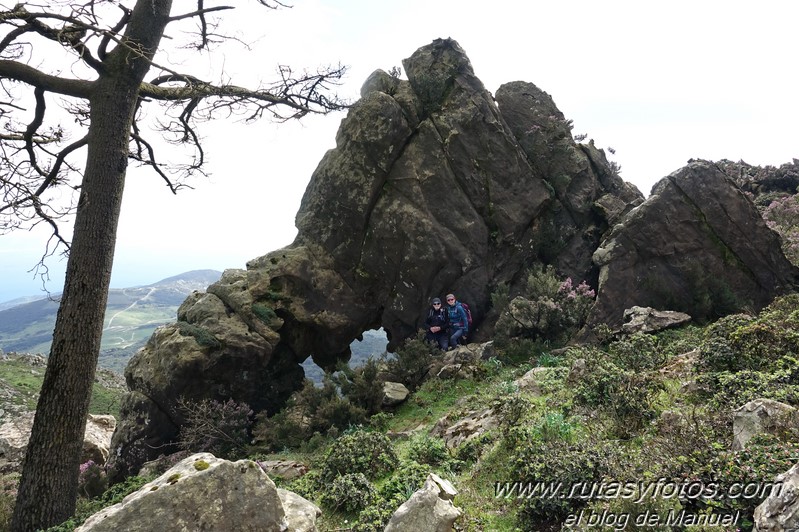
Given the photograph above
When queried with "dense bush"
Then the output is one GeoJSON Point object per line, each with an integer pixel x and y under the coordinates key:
{"type": "Point", "coordinates": [548, 309]}
{"type": "Point", "coordinates": [397, 489]}
{"type": "Point", "coordinates": [624, 381]}
{"type": "Point", "coordinates": [426, 449]}
{"type": "Point", "coordinates": [345, 399]}
{"type": "Point", "coordinates": [556, 465]}
{"type": "Point", "coordinates": [113, 495]}
{"type": "Point", "coordinates": [755, 467]}
{"type": "Point", "coordinates": [411, 362]}
{"type": "Point", "coordinates": [554, 427]}
{"type": "Point", "coordinates": [745, 357]}
{"type": "Point", "coordinates": [361, 386]}
{"type": "Point", "coordinates": [92, 480]}
{"type": "Point", "coordinates": [350, 492]}
{"type": "Point", "coordinates": [215, 427]}
{"type": "Point", "coordinates": [683, 443]}
{"type": "Point", "coordinates": [370, 453]}
{"type": "Point", "coordinates": [741, 342]}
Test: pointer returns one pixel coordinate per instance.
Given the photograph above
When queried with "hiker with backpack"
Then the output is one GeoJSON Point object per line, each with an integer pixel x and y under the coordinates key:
{"type": "Point", "coordinates": [458, 321]}
{"type": "Point", "coordinates": [435, 324]}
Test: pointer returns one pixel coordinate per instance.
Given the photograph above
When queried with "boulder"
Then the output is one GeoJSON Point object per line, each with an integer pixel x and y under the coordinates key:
{"type": "Point", "coordinates": [430, 509]}
{"type": "Point", "coordinates": [649, 320]}
{"type": "Point", "coordinates": [201, 492]}
{"type": "Point", "coordinates": [14, 436]}
{"type": "Point", "coordinates": [462, 362]}
{"type": "Point", "coordinates": [780, 511]}
{"type": "Point", "coordinates": [759, 416]}
{"type": "Point", "coordinates": [394, 393]}
{"type": "Point", "coordinates": [529, 381]}
{"type": "Point", "coordinates": [301, 513]}
{"type": "Point", "coordinates": [285, 469]}
{"type": "Point", "coordinates": [577, 371]}
{"type": "Point", "coordinates": [466, 428]}
{"type": "Point", "coordinates": [697, 245]}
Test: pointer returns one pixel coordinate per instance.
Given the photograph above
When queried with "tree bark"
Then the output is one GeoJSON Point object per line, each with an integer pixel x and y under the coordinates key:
{"type": "Point", "coordinates": [48, 488]}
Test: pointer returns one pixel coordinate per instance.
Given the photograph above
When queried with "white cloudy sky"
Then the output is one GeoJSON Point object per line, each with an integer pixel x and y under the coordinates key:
{"type": "Point", "coordinates": [658, 82]}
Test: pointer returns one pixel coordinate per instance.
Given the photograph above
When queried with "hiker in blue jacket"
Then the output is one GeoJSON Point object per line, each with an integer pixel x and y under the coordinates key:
{"type": "Point", "coordinates": [435, 324]}
{"type": "Point", "coordinates": [458, 321]}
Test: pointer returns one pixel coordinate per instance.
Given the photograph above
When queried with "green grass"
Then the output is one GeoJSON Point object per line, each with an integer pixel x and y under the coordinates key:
{"type": "Point", "coordinates": [23, 382]}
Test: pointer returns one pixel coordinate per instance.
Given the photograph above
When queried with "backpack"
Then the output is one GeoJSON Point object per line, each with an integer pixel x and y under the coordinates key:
{"type": "Point", "coordinates": [468, 313]}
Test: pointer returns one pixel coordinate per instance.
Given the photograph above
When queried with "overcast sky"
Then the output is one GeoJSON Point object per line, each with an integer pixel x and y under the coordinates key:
{"type": "Point", "coordinates": [658, 82]}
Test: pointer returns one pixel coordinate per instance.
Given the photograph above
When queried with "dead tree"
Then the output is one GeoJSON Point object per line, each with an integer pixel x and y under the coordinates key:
{"type": "Point", "coordinates": [91, 58]}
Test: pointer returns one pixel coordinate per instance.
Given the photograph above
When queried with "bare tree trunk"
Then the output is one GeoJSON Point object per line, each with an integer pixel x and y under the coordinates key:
{"type": "Point", "coordinates": [48, 488]}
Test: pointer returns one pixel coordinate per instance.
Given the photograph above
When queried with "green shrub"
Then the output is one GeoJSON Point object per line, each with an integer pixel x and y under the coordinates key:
{"type": "Point", "coordinates": [369, 453]}
{"type": "Point", "coordinates": [308, 411]}
{"type": "Point", "coordinates": [500, 297]}
{"type": "Point", "coordinates": [683, 443]}
{"type": "Point", "coordinates": [547, 360]}
{"type": "Point", "coordinates": [637, 352]}
{"type": "Point", "coordinates": [361, 386]}
{"type": "Point", "coordinates": [264, 312]}
{"type": "Point", "coordinates": [426, 449]}
{"type": "Point", "coordinates": [471, 450]}
{"type": "Point", "coordinates": [203, 336]}
{"type": "Point", "coordinates": [550, 465]}
{"type": "Point", "coordinates": [741, 342]}
{"type": "Point", "coordinates": [727, 391]}
{"type": "Point", "coordinates": [554, 427]}
{"type": "Point", "coordinates": [411, 363]}
{"type": "Point", "coordinates": [350, 492]}
{"type": "Point", "coordinates": [629, 396]}
{"type": "Point", "coordinates": [755, 468]}
{"type": "Point", "coordinates": [405, 481]}
{"type": "Point", "coordinates": [309, 485]}
{"type": "Point", "coordinates": [381, 421]}
{"type": "Point", "coordinates": [86, 508]}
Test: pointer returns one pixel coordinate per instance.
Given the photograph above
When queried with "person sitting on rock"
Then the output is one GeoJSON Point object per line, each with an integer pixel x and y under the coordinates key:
{"type": "Point", "coordinates": [458, 321]}
{"type": "Point", "coordinates": [436, 324]}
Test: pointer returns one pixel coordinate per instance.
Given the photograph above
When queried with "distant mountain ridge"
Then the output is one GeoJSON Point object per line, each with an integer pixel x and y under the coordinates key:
{"type": "Point", "coordinates": [132, 314]}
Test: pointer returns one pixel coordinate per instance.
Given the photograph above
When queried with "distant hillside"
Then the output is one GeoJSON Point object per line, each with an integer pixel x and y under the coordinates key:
{"type": "Point", "coordinates": [131, 316]}
{"type": "Point", "coordinates": [373, 345]}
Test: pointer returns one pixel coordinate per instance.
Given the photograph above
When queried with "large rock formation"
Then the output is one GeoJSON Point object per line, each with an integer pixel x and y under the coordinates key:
{"type": "Point", "coordinates": [697, 245]}
{"type": "Point", "coordinates": [435, 186]}
{"type": "Point", "coordinates": [431, 188]}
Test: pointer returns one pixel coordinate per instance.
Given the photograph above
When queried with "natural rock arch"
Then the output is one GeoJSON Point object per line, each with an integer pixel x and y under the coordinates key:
{"type": "Point", "coordinates": [434, 186]}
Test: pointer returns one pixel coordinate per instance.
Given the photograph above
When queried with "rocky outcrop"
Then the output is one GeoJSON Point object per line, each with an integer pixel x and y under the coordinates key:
{"type": "Point", "coordinates": [761, 416]}
{"type": "Point", "coordinates": [201, 492]}
{"type": "Point", "coordinates": [780, 511]}
{"type": "Point", "coordinates": [430, 508]}
{"type": "Point", "coordinates": [763, 181]}
{"type": "Point", "coordinates": [284, 469]}
{"type": "Point", "coordinates": [470, 426]}
{"type": "Point", "coordinates": [15, 434]}
{"type": "Point", "coordinates": [697, 245]}
{"type": "Point", "coordinates": [649, 320]}
{"type": "Point", "coordinates": [432, 188]}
